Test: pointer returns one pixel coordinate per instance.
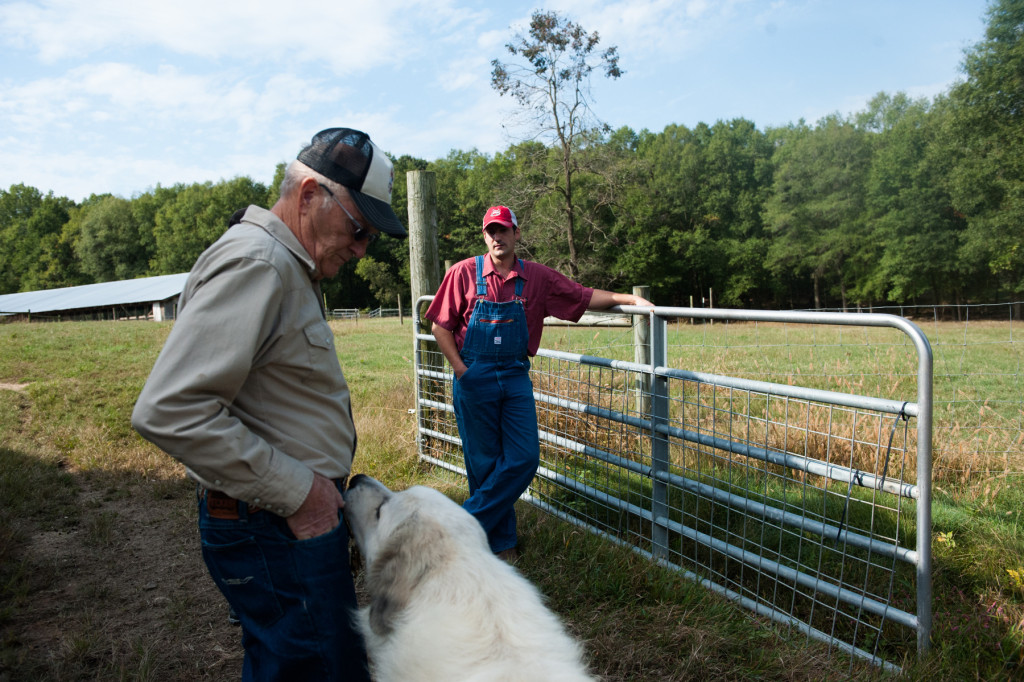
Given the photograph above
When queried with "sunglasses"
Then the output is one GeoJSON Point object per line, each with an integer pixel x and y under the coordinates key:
{"type": "Point", "coordinates": [361, 233]}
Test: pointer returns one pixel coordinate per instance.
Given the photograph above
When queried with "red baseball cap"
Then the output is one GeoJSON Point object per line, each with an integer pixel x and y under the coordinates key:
{"type": "Point", "coordinates": [502, 215]}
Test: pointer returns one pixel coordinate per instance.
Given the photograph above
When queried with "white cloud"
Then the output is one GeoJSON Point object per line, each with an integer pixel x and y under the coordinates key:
{"type": "Point", "coordinates": [347, 37]}
{"type": "Point", "coordinates": [663, 29]}
{"type": "Point", "coordinates": [128, 94]}
{"type": "Point", "coordinates": [469, 73]}
{"type": "Point", "coordinates": [116, 95]}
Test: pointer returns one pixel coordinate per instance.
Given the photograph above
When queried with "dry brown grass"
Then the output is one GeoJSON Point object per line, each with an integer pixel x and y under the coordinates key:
{"type": "Point", "coordinates": [102, 577]}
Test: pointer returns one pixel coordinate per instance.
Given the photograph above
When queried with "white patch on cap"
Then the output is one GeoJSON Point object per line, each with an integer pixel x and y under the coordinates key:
{"type": "Point", "coordinates": [380, 178]}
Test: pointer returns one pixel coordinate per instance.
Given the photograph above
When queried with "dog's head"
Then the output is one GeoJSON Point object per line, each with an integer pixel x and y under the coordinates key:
{"type": "Point", "coordinates": [403, 537]}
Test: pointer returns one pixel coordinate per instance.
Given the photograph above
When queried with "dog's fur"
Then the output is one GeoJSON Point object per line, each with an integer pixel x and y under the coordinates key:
{"type": "Point", "coordinates": [442, 606]}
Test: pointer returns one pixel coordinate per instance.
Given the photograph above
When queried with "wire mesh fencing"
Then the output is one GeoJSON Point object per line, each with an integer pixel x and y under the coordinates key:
{"type": "Point", "coordinates": [803, 495]}
{"type": "Point", "coordinates": [978, 388]}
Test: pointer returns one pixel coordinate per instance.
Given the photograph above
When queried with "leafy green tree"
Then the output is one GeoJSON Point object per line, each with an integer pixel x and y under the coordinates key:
{"type": "Point", "coordinates": [274, 191]}
{"type": "Point", "coordinates": [59, 265]}
{"type": "Point", "coordinates": [815, 214]}
{"type": "Point", "coordinates": [144, 210]}
{"type": "Point", "coordinates": [736, 180]}
{"type": "Point", "coordinates": [110, 245]}
{"type": "Point", "coordinates": [458, 205]}
{"type": "Point", "coordinates": [195, 218]}
{"type": "Point", "coordinates": [913, 231]}
{"type": "Point", "coordinates": [550, 79]}
{"type": "Point", "coordinates": [987, 123]}
{"type": "Point", "coordinates": [658, 227]}
{"type": "Point", "coordinates": [603, 192]}
{"type": "Point", "coordinates": [621, 168]}
{"type": "Point", "coordinates": [690, 221]}
{"type": "Point", "coordinates": [469, 182]}
{"type": "Point", "coordinates": [16, 206]}
{"type": "Point", "coordinates": [43, 230]}
{"type": "Point", "coordinates": [29, 224]}
{"type": "Point", "coordinates": [383, 282]}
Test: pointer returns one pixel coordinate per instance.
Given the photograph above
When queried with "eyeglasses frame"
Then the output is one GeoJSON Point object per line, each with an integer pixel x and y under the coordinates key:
{"type": "Point", "coordinates": [361, 232]}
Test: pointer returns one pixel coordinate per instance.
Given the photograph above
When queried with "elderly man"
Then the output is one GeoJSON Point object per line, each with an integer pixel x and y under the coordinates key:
{"type": "Point", "coordinates": [248, 394]}
{"type": "Point", "coordinates": [488, 316]}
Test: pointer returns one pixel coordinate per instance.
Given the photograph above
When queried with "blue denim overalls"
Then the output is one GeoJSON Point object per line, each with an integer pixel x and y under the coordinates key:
{"type": "Point", "coordinates": [495, 412]}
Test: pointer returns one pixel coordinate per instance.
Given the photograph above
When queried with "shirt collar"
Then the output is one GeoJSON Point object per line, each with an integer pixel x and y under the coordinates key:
{"type": "Point", "coordinates": [276, 228]}
{"type": "Point", "coordinates": [517, 268]}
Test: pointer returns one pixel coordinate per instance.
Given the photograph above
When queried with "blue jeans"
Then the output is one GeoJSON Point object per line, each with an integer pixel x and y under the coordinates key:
{"type": "Point", "coordinates": [497, 420]}
{"type": "Point", "coordinates": [295, 598]}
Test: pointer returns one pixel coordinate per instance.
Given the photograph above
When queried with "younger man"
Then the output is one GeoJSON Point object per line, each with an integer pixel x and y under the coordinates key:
{"type": "Point", "coordinates": [488, 316]}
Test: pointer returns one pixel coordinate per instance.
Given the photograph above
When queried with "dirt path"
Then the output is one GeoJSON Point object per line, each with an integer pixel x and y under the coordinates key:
{"type": "Point", "coordinates": [125, 591]}
{"type": "Point", "coordinates": [12, 387]}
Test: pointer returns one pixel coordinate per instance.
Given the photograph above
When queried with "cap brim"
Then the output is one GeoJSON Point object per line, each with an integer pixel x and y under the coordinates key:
{"type": "Point", "coordinates": [499, 221]}
{"type": "Point", "coordinates": [378, 213]}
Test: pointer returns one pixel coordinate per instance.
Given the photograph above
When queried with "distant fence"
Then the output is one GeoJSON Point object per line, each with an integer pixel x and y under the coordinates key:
{"type": "Point", "coordinates": [386, 312]}
{"type": "Point", "coordinates": [808, 505]}
{"type": "Point", "coordinates": [355, 314]}
{"type": "Point", "coordinates": [345, 314]}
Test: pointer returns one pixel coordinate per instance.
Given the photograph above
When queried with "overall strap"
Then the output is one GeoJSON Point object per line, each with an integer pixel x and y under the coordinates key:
{"type": "Point", "coordinates": [481, 283]}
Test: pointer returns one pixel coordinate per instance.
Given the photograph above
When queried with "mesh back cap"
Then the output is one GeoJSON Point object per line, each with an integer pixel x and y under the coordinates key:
{"type": "Point", "coordinates": [349, 158]}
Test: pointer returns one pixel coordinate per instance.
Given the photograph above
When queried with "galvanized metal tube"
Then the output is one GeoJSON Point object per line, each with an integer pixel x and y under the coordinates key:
{"type": "Point", "coordinates": [810, 582]}
{"type": "Point", "coordinates": [659, 443]}
{"type": "Point", "coordinates": [738, 502]}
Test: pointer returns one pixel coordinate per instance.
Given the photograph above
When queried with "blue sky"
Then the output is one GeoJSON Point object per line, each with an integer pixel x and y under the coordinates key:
{"type": "Point", "coordinates": [121, 95]}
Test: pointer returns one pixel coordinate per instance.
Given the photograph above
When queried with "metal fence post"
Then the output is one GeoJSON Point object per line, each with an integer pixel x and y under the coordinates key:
{"type": "Point", "coordinates": [924, 484]}
{"type": "Point", "coordinates": [659, 440]}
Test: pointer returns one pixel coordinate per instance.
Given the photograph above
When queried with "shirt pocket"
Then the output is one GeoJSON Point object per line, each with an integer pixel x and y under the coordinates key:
{"type": "Point", "coordinates": [325, 373]}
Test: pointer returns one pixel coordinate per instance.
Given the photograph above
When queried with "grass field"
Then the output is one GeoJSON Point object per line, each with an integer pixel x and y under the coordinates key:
{"type": "Point", "coordinates": [101, 578]}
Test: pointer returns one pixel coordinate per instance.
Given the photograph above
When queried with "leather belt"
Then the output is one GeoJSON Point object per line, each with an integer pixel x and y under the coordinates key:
{"type": "Point", "coordinates": [221, 506]}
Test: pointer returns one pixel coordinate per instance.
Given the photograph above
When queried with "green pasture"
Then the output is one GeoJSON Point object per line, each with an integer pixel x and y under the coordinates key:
{"type": "Point", "coordinates": [68, 456]}
{"type": "Point", "coordinates": [978, 373]}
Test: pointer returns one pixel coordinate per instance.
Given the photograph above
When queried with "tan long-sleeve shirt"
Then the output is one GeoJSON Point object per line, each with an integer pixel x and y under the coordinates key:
{"type": "Point", "coordinates": [247, 391]}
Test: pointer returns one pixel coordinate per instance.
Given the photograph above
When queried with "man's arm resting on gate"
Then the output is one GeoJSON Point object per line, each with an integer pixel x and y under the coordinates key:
{"type": "Point", "coordinates": [606, 299]}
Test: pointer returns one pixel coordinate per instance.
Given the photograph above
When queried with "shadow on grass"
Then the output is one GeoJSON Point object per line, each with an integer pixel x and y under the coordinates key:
{"type": "Point", "coordinates": [101, 578]}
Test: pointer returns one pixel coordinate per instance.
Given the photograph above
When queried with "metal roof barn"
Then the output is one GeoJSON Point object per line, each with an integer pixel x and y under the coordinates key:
{"type": "Point", "coordinates": [125, 295]}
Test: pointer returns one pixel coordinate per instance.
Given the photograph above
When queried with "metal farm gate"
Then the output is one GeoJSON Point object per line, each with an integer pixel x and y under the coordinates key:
{"type": "Point", "coordinates": [810, 507]}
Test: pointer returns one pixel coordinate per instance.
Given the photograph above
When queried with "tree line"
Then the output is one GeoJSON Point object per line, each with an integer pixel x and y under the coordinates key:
{"type": "Point", "coordinates": [911, 201]}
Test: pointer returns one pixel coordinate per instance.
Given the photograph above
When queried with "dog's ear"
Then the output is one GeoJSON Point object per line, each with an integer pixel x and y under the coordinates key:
{"type": "Point", "coordinates": [414, 549]}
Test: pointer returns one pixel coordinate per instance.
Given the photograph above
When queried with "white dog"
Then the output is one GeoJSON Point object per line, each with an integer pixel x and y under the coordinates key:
{"type": "Point", "coordinates": [442, 607]}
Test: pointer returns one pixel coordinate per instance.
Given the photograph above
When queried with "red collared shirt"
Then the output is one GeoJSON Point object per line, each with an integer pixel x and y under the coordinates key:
{"type": "Point", "coordinates": [547, 293]}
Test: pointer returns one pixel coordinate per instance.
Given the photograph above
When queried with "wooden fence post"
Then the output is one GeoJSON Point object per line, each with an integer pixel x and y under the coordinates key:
{"type": "Point", "coordinates": [424, 263]}
{"type": "Point", "coordinates": [642, 353]}
{"type": "Point", "coordinates": [424, 268]}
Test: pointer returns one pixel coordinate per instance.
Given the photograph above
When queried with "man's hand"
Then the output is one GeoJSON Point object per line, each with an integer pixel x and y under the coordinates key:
{"type": "Point", "coordinates": [640, 300]}
{"type": "Point", "coordinates": [602, 300]}
{"type": "Point", "coordinates": [446, 342]}
{"type": "Point", "coordinates": [318, 514]}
